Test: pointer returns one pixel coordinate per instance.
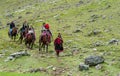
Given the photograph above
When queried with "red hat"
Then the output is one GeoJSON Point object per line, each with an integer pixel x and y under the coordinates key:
{"type": "Point", "coordinates": [47, 26]}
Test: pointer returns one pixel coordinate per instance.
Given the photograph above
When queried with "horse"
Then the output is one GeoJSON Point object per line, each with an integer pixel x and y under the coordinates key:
{"type": "Point", "coordinates": [30, 40]}
{"type": "Point", "coordinates": [23, 34]}
{"type": "Point", "coordinates": [13, 33]}
{"type": "Point", "coordinates": [44, 41]}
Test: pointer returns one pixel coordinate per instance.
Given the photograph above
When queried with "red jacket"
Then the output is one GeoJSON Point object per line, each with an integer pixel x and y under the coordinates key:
{"type": "Point", "coordinates": [47, 26]}
{"type": "Point", "coordinates": [58, 41]}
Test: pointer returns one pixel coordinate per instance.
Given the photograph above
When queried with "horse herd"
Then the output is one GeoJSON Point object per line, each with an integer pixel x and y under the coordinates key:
{"type": "Point", "coordinates": [44, 40]}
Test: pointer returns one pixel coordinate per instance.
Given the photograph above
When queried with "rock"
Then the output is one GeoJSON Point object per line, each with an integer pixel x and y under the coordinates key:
{"type": "Point", "coordinates": [54, 68]}
{"type": "Point", "coordinates": [76, 31]}
{"type": "Point", "coordinates": [28, 12]}
{"type": "Point", "coordinates": [94, 60]}
{"type": "Point", "coordinates": [9, 58]}
{"type": "Point", "coordinates": [93, 18]}
{"type": "Point", "coordinates": [49, 67]}
{"type": "Point", "coordinates": [21, 53]}
{"type": "Point", "coordinates": [69, 74]}
{"type": "Point", "coordinates": [79, 3]}
{"type": "Point", "coordinates": [98, 67]}
{"type": "Point", "coordinates": [104, 16]}
{"type": "Point", "coordinates": [17, 55]}
{"type": "Point", "coordinates": [96, 44]}
{"type": "Point", "coordinates": [113, 41]}
{"type": "Point", "coordinates": [118, 74]}
{"type": "Point", "coordinates": [1, 55]}
{"type": "Point", "coordinates": [75, 51]}
{"type": "Point", "coordinates": [108, 6]}
{"type": "Point", "coordinates": [37, 70]}
{"type": "Point", "coordinates": [94, 32]}
{"type": "Point", "coordinates": [19, 17]}
{"type": "Point", "coordinates": [83, 67]}
{"type": "Point", "coordinates": [9, 15]}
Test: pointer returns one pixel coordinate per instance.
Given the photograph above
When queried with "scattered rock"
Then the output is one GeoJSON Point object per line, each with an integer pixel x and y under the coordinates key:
{"type": "Point", "coordinates": [75, 51]}
{"type": "Point", "coordinates": [9, 15]}
{"type": "Point", "coordinates": [49, 67]}
{"type": "Point", "coordinates": [58, 71]}
{"type": "Point", "coordinates": [39, 21]}
{"type": "Point", "coordinates": [37, 70]}
{"type": "Point", "coordinates": [96, 44]}
{"type": "Point", "coordinates": [98, 67]}
{"type": "Point", "coordinates": [113, 41]}
{"type": "Point", "coordinates": [94, 60]}
{"type": "Point", "coordinates": [28, 12]}
{"type": "Point", "coordinates": [83, 67]}
{"type": "Point", "coordinates": [19, 17]}
{"type": "Point", "coordinates": [118, 74]}
{"type": "Point", "coordinates": [1, 55]}
{"type": "Point", "coordinates": [77, 31]}
{"type": "Point", "coordinates": [94, 32]}
{"type": "Point", "coordinates": [93, 18]}
{"type": "Point", "coordinates": [104, 17]}
{"type": "Point", "coordinates": [17, 55]}
{"type": "Point", "coordinates": [108, 6]}
{"type": "Point", "coordinates": [79, 3]}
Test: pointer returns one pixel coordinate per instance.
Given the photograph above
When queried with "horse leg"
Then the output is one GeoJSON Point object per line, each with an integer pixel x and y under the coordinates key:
{"type": "Point", "coordinates": [47, 48]}
{"type": "Point", "coordinates": [29, 46]}
{"type": "Point", "coordinates": [43, 47]}
{"type": "Point", "coordinates": [14, 38]}
{"type": "Point", "coordinates": [32, 44]}
{"type": "Point", "coordinates": [26, 43]}
{"type": "Point", "coordinates": [21, 38]}
{"type": "Point", "coordinates": [39, 46]}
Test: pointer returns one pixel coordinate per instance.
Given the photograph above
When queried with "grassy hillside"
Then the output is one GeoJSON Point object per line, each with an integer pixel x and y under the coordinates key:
{"type": "Point", "coordinates": [76, 20]}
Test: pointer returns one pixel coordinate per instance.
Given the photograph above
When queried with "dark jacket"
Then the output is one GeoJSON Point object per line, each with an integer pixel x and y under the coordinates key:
{"type": "Point", "coordinates": [12, 25]}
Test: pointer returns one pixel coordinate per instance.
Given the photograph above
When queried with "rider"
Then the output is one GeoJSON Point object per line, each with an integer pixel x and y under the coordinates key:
{"type": "Point", "coordinates": [58, 43]}
{"type": "Point", "coordinates": [46, 29]}
{"type": "Point", "coordinates": [32, 32]}
{"type": "Point", "coordinates": [12, 25]}
{"type": "Point", "coordinates": [25, 25]}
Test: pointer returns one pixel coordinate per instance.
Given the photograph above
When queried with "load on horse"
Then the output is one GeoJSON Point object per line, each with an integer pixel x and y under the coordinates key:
{"type": "Point", "coordinates": [45, 37]}
{"type": "Point", "coordinates": [30, 37]}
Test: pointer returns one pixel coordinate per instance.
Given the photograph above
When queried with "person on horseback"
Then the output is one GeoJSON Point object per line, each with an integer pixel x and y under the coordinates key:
{"type": "Point", "coordinates": [46, 29]}
{"type": "Point", "coordinates": [58, 43]}
{"type": "Point", "coordinates": [25, 25]}
{"type": "Point", "coordinates": [32, 32]}
{"type": "Point", "coordinates": [12, 25]}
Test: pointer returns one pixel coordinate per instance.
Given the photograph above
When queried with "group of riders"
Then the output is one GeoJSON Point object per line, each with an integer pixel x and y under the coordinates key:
{"type": "Point", "coordinates": [27, 30]}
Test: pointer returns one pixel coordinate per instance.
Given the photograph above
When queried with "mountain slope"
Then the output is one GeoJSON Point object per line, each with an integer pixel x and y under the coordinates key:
{"type": "Point", "coordinates": [84, 24]}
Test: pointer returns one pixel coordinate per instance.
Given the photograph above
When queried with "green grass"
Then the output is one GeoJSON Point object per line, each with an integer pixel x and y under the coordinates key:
{"type": "Point", "coordinates": [69, 18]}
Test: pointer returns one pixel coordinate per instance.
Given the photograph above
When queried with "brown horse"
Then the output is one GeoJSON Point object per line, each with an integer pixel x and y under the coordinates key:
{"type": "Point", "coordinates": [44, 41]}
{"type": "Point", "coordinates": [30, 40]}
{"type": "Point", "coordinates": [13, 34]}
{"type": "Point", "coordinates": [23, 34]}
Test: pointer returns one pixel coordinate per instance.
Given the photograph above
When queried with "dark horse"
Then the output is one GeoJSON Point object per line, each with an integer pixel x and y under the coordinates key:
{"type": "Point", "coordinates": [44, 41]}
{"type": "Point", "coordinates": [30, 40]}
{"type": "Point", "coordinates": [13, 34]}
{"type": "Point", "coordinates": [23, 34]}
